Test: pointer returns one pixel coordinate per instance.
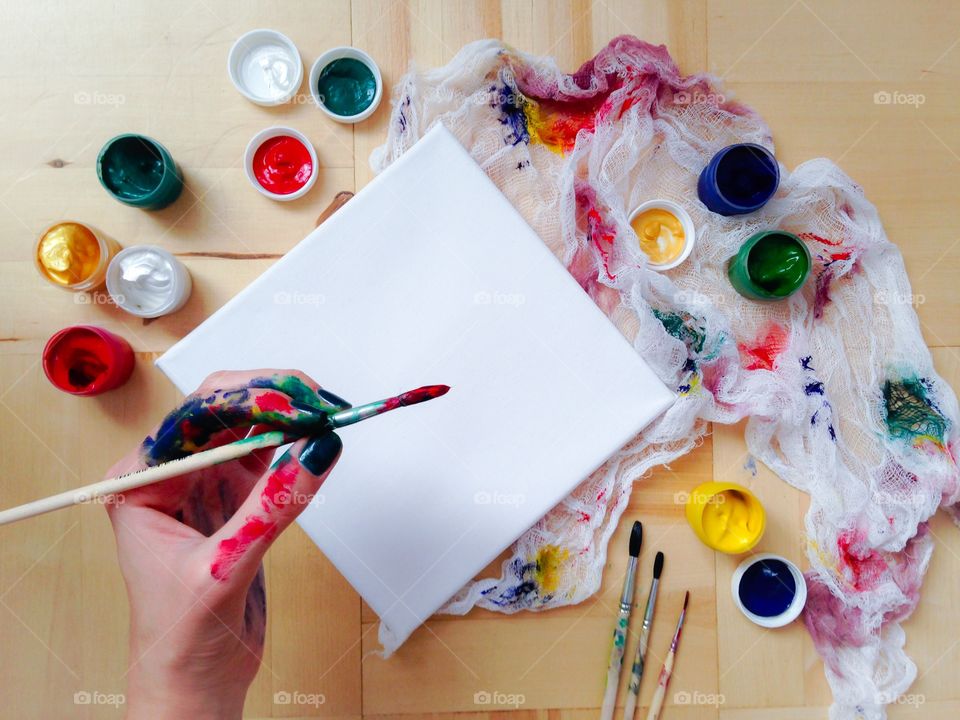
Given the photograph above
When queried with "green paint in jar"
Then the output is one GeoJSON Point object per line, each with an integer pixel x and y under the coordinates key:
{"type": "Point", "coordinates": [771, 265]}
{"type": "Point", "coordinates": [346, 86]}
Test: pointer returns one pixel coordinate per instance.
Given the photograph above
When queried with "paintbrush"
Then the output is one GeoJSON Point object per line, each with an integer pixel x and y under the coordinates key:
{"type": "Point", "coordinates": [656, 705]}
{"type": "Point", "coordinates": [636, 672]}
{"type": "Point", "coordinates": [620, 629]}
{"type": "Point", "coordinates": [215, 456]}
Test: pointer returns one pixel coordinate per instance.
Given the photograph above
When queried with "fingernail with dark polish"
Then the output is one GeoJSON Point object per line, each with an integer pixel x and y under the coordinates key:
{"type": "Point", "coordinates": [320, 452]}
{"type": "Point", "coordinates": [333, 399]}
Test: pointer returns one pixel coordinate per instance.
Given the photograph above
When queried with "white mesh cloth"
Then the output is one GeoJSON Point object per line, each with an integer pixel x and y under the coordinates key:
{"type": "Point", "coordinates": [840, 391]}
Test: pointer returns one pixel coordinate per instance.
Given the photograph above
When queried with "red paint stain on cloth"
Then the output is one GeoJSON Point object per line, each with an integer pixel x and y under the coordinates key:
{"type": "Point", "coordinates": [763, 354]}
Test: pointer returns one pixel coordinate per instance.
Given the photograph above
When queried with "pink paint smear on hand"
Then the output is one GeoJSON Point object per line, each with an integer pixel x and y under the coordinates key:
{"type": "Point", "coordinates": [277, 493]}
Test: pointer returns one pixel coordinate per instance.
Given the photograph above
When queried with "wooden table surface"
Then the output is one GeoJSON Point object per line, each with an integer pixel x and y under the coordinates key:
{"type": "Point", "coordinates": [75, 74]}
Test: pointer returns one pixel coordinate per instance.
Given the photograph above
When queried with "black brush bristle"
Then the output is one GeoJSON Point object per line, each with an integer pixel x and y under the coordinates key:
{"type": "Point", "coordinates": [636, 538]}
{"type": "Point", "coordinates": [658, 565]}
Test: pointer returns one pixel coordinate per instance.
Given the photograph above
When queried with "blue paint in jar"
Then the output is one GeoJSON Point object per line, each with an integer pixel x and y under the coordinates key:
{"type": "Point", "coordinates": [739, 179]}
{"type": "Point", "coordinates": [767, 588]}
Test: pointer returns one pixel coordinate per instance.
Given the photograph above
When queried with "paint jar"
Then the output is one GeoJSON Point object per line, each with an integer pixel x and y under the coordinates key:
{"type": "Point", "coordinates": [87, 360]}
{"type": "Point", "coordinates": [769, 590]}
{"type": "Point", "coordinates": [72, 256]}
{"type": "Point", "coordinates": [281, 163]}
{"type": "Point", "coordinates": [664, 231]}
{"type": "Point", "coordinates": [739, 179]}
{"type": "Point", "coordinates": [770, 265]}
{"type": "Point", "coordinates": [346, 84]}
{"type": "Point", "coordinates": [138, 171]}
{"type": "Point", "coordinates": [726, 517]}
{"type": "Point", "coordinates": [265, 67]}
{"type": "Point", "coordinates": [147, 281]}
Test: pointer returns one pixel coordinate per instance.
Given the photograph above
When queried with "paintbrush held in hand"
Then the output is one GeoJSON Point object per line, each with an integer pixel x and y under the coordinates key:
{"type": "Point", "coordinates": [620, 629]}
{"type": "Point", "coordinates": [215, 456]}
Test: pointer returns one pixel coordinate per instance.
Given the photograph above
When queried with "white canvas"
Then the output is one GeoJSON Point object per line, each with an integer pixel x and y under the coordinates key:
{"type": "Point", "coordinates": [430, 276]}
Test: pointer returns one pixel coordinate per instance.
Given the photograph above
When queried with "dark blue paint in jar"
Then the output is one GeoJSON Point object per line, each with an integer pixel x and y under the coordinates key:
{"type": "Point", "coordinates": [739, 179]}
{"type": "Point", "coordinates": [767, 588]}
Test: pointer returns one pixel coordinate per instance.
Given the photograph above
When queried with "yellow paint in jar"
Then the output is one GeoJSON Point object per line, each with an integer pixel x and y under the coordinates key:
{"type": "Point", "coordinates": [726, 517]}
{"type": "Point", "coordinates": [661, 235]}
{"type": "Point", "coordinates": [71, 256]}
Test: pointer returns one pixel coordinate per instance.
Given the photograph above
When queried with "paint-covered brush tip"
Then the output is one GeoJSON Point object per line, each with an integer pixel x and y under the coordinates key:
{"type": "Point", "coordinates": [422, 394]}
{"type": "Point", "coordinates": [636, 538]}
{"type": "Point", "coordinates": [686, 599]}
{"type": "Point", "coordinates": [658, 565]}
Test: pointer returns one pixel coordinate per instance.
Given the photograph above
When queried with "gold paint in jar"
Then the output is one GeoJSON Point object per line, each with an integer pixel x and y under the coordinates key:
{"type": "Point", "coordinates": [661, 235]}
{"type": "Point", "coordinates": [71, 256]}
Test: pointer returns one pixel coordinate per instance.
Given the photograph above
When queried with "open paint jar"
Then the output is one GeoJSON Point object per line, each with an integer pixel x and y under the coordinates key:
{"type": "Point", "coordinates": [771, 265]}
{"type": "Point", "coordinates": [726, 516]}
{"type": "Point", "coordinates": [281, 163]}
{"type": "Point", "coordinates": [72, 256]}
{"type": "Point", "coordinates": [87, 360]}
{"type": "Point", "coordinates": [739, 179]}
{"type": "Point", "coordinates": [346, 84]}
{"type": "Point", "coordinates": [664, 231]}
{"type": "Point", "coordinates": [147, 281]}
{"type": "Point", "coordinates": [265, 67]}
{"type": "Point", "coordinates": [138, 171]}
{"type": "Point", "coordinates": [769, 590]}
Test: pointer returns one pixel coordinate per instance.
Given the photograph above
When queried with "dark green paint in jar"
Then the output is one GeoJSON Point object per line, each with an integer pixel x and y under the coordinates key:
{"type": "Point", "coordinates": [346, 86]}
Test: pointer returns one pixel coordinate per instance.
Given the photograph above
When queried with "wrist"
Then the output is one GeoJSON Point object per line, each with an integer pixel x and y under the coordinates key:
{"type": "Point", "coordinates": [150, 698]}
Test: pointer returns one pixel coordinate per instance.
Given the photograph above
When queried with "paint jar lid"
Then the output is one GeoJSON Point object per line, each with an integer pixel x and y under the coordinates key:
{"type": "Point", "coordinates": [686, 222]}
{"type": "Point", "coordinates": [268, 134]}
{"type": "Point", "coordinates": [147, 281]}
{"type": "Point", "coordinates": [795, 606]}
{"type": "Point", "coordinates": [265, 67]}
{"type": "Point", "coordinates": [348, 53]}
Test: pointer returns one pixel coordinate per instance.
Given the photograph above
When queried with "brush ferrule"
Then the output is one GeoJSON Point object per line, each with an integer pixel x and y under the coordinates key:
{"type": "Point", "coordinates": [626, 598]}
{"type": "Point", "coordinates": [356, 414]}
{"type": "Point", "coordinates": [651, 602]}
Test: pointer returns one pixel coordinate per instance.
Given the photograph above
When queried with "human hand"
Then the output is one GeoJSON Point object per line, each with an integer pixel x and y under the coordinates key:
{"type": "Point", "coordinates": [190, 548]}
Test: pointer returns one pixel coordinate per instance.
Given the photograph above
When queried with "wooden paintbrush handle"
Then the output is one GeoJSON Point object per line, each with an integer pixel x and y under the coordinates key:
{"type": "Point", "coordinates": [656, 704]}
{"type": "Point", "coordinates": [616, 663]}
{"type": "Point", "coordinates": [148, 476]}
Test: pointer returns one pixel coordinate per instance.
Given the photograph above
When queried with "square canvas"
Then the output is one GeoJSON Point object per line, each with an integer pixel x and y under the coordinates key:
{"type": "Point", "coordinates": [430, 276]}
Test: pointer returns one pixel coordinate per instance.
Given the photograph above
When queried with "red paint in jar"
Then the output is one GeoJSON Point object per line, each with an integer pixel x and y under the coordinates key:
{"type": "Point", "coordinates": [87, 360]}
{"type": "Point", "coordinates": [282, 165]}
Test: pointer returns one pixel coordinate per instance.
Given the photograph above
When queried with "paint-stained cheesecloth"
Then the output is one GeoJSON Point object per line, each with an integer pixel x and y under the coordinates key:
{"type": "Point", "coordinates": [840, 393]}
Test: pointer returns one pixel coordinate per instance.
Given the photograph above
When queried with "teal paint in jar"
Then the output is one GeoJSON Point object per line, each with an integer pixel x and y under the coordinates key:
{"type": "Point", "coordinates": [346, 84]}
{"type": "Point", "coordinates": [138, 171]}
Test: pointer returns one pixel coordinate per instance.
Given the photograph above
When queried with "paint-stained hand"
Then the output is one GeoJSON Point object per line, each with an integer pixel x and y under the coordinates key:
{"type": "Point", "coordinates": [190, 548]}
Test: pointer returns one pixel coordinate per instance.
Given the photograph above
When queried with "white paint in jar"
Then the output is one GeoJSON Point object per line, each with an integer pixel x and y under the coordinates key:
{"type": "Point", "coordinates": [147, 281]}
